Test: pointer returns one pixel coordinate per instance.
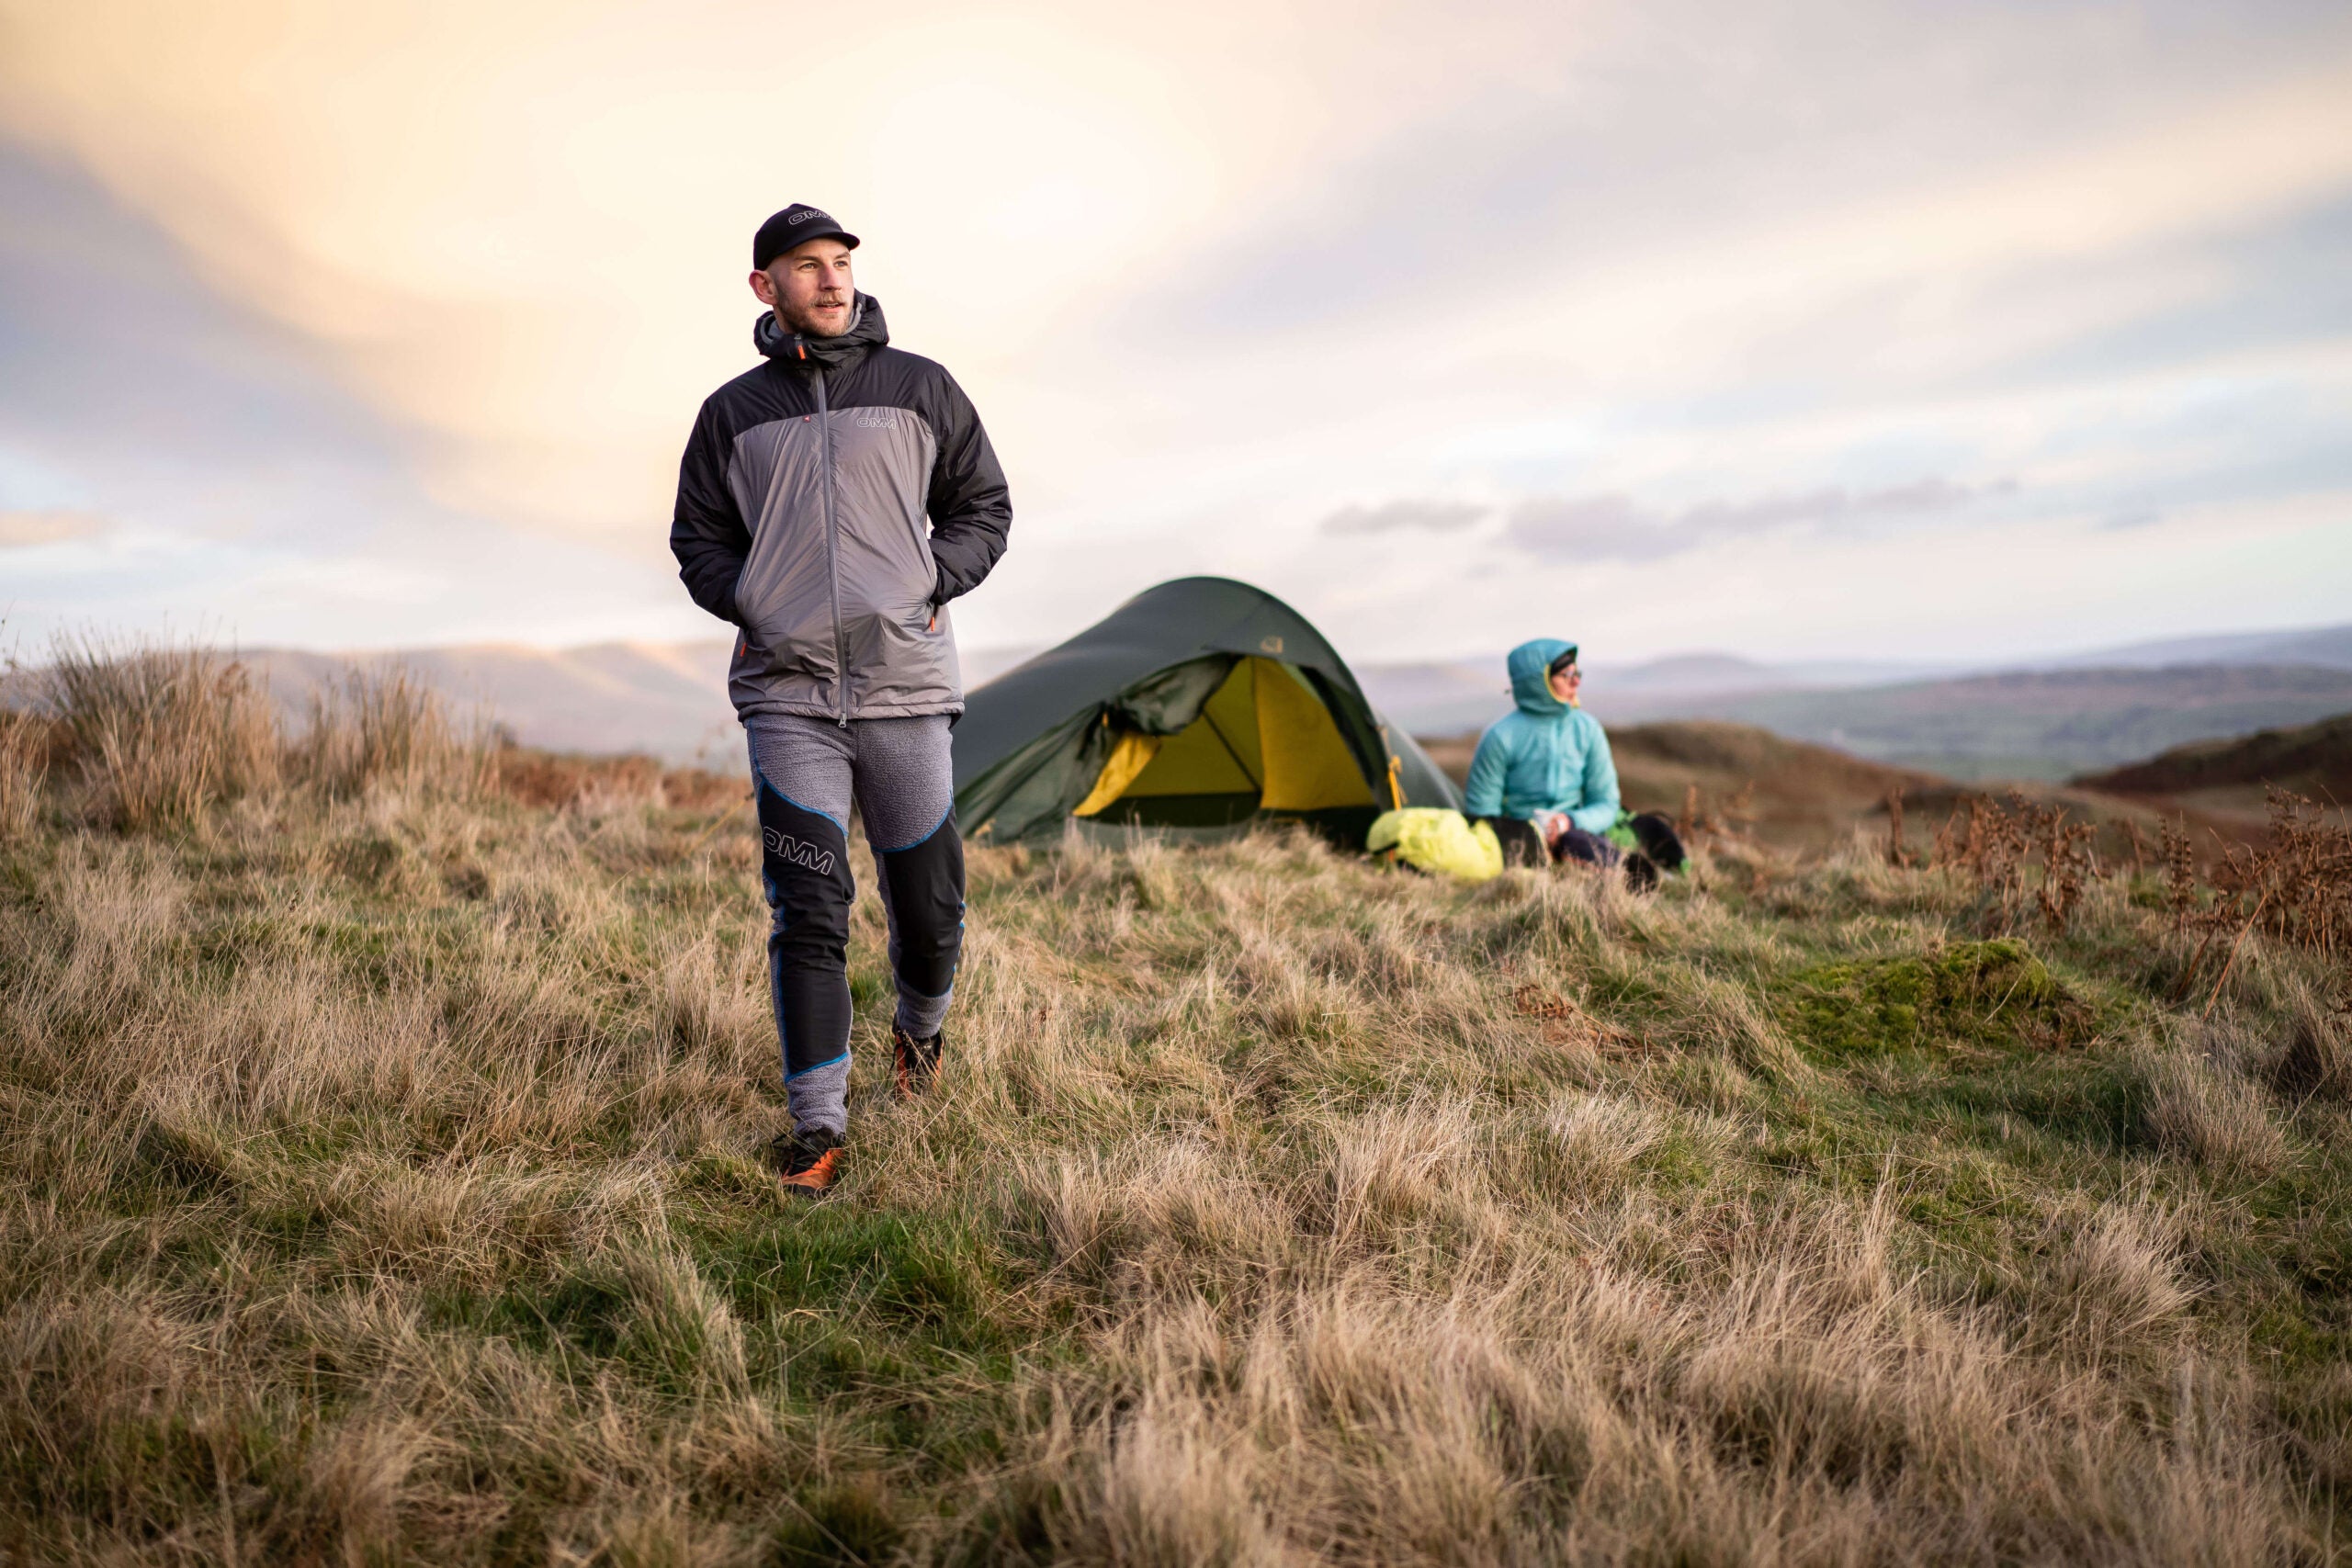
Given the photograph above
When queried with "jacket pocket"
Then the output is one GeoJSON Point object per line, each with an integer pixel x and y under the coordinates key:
{"type": "Point", "coordinates": [786, 600]}
{"type": "Point", "coordinates": [784, 597]}
{"type": "Point", "coordinates": [905, 662]}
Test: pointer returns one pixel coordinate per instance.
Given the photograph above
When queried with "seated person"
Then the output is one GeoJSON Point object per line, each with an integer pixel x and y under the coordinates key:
{"type": "Point", "coordinates": [1548, 765]}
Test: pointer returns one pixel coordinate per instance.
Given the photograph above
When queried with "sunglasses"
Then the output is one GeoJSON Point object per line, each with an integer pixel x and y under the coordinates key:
{"type": "Point", "coordinates": [1565, 663]}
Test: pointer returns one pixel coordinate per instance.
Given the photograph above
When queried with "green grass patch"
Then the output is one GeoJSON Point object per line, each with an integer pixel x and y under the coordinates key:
{"type": "Point", "coordinates": [1996, 994]}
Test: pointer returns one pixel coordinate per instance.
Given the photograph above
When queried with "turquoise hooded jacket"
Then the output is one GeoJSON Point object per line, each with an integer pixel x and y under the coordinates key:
{"type": "Point", "coordinates": [1547, 756]}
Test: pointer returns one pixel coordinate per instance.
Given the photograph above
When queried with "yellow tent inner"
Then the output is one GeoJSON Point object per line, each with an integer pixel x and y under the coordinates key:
{"type": "Point", "coordinates": [1263, 732]}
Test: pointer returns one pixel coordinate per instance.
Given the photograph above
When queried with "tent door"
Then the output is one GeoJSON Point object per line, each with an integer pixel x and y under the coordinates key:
{"type": "Point", "coordinates": [1263, 740]}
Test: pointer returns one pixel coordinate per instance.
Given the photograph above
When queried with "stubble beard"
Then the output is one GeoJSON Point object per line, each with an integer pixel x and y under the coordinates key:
{"type": "Point", "coordinates": [808, 323]}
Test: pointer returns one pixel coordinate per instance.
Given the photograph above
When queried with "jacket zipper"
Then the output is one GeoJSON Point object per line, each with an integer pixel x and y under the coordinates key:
{"type": "Point", "coordinates": [832, 547]}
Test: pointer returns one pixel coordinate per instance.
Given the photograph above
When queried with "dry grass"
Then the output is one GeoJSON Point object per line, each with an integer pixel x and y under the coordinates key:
{"type": "Point", "coordinates": [587, 784]}
{"type": "Point", "coordinates": [157, 737]}
{"type": "Point", "coordinates": [383, 728]}
{"type": "Point", "coordinates": [160, 734]}
{"type": "Point", "coordinates": [24, 741]}
{"type": "Point", "coordinates": [382, 1186]}
{"type": "Point", "coordinates": [2202, 1111]}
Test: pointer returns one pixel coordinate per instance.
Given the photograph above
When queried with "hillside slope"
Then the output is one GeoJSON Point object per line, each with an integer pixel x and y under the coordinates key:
{"type": "Point", "coordinates": [1809, 799]}
{"type": "Point", "coordinates": [2327, 647]}
{"type": "Point", "coordinates": [2313, 759]}
{"type": "Point", "coordinates": [2053, 724]}
{"type": "Point", "coordinates": [1797, 796]}
{"type": "Point", "coordinates": [386, 1189]}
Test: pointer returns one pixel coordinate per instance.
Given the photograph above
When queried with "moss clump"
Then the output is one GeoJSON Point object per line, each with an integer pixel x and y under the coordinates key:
{"type": "Point", "coordinates": [1994, 994]}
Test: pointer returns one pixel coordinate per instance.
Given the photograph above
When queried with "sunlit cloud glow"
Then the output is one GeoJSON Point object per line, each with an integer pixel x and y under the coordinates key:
{"type": "Point", "coordinates": [386, 324]}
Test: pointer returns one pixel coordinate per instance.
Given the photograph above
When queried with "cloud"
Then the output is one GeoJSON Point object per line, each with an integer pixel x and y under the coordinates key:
{"type": "Point", "coordinates": [118, 366]}
{"type": "Point", "coordinates": [1611, 526]}
{"type": "Point", "coordinates": [22, 529]}
{"type": "Point", "coordinates": [237, 487]}
{"type": "Point", "coordinates": [1822, 508]}
{"type": "Point", "coordinates": [1605, 527]}
{"type": "Point", "coordinates": [1397, 516]}
{"type": "Point", "coordinates": [1614, 527]}
{"type": "Point", "coordinates": [334, 281]}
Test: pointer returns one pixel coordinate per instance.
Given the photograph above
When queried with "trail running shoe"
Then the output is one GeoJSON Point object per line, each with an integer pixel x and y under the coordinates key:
{"type": "Point", "coordinates": [918, 1061]}
{"type": "Point", "coordinates": [808, 1162]}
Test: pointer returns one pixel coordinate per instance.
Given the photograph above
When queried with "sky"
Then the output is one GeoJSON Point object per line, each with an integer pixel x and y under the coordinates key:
{"type": "Point", "coordinates": [1895, 332]}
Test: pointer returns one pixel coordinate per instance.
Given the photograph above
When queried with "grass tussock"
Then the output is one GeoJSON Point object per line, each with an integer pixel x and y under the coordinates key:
{"type": "Point", "coordinates": [155, 738]}
{"type": "Point", "coordinates": [160, 734]}
{"type": "Point", "coordinates": [381, 1161]}
{"type": "Point", "coordinates": [2204, 1107]}
{"type": "Point", "coordinates": [25, 740]}
{"type": "Point", "coordinates": [373, 729]}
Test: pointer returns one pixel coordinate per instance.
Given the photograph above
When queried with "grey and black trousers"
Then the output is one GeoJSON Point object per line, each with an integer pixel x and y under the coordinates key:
{"type": "Point", "coordinates": [806, 773]}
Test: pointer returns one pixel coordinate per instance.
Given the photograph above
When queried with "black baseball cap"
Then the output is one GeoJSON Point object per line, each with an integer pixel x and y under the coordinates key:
{"type": "Point", "coordinates": [1564, 661]}
{"type": "Point", "coordinates": [790, 227]}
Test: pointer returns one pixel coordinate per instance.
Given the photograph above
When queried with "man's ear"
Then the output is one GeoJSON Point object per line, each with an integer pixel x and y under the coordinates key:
{"type": "Point", "coordinates": [765, 286]}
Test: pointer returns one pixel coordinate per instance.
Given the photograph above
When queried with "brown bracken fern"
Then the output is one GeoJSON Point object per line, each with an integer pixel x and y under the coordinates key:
{"type": "Point", "coordinates": [2020, 855]}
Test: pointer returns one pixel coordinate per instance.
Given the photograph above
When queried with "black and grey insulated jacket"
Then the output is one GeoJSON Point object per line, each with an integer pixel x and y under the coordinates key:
{"type": "Point", "coordinates": [801, 507]}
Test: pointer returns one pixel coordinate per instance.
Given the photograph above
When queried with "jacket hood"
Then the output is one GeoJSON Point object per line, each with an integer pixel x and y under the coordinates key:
{"type": "Point", "coordinates": [867, 331]}
{"type": "Point", "coordinates": [1529, 687]}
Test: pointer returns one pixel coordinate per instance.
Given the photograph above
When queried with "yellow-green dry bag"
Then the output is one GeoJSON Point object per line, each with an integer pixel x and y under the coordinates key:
{"type": "Point", "coordinates": [1434, 840]}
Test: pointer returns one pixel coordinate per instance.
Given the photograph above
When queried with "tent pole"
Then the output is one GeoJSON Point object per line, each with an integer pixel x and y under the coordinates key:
{"type": "Point", "coordinates": [1218, 731]}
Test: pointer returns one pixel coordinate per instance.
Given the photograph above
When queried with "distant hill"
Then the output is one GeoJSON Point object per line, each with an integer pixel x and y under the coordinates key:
{"type": "Point", "coordinates": [2052, 723]}
{"type": "Point", "coordinates": [2044, 719]}
{"type": "Point", "coordinates": [1446, 697]}
{"type": "Point", "coordinates": [1799, 796]}
{"type": "Point", "coordinates": [2045, 725]}
{"type": "Point", "coordinates": [669, 699]}
{"type": "Point", "coordinates": [2329, 647]}
{"type": "Point", "coordinates": [665, 698]}
{"type": "Point", "coordinates": [2313, 759]}
{"type": "Point", "coordinates": [1436, 698]}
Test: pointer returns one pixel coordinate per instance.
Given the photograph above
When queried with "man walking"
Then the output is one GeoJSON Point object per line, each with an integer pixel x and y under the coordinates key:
{"type": "Point", "coordinates": [802, 501]}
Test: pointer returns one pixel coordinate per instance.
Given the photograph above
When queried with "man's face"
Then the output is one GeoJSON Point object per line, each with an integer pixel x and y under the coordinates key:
{"type": "Point", "coordinates": [1565, 682]}
{"type": "Point", "coordinates": [808, 289]}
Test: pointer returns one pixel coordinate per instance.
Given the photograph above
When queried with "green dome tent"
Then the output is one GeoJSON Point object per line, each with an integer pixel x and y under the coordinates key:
{"type": "Point", "coordinates": [1203, 705]}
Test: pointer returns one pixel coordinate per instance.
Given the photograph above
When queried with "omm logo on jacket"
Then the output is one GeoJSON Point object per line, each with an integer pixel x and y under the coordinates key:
{"type": "Point", "coordinates": [785, 847]}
